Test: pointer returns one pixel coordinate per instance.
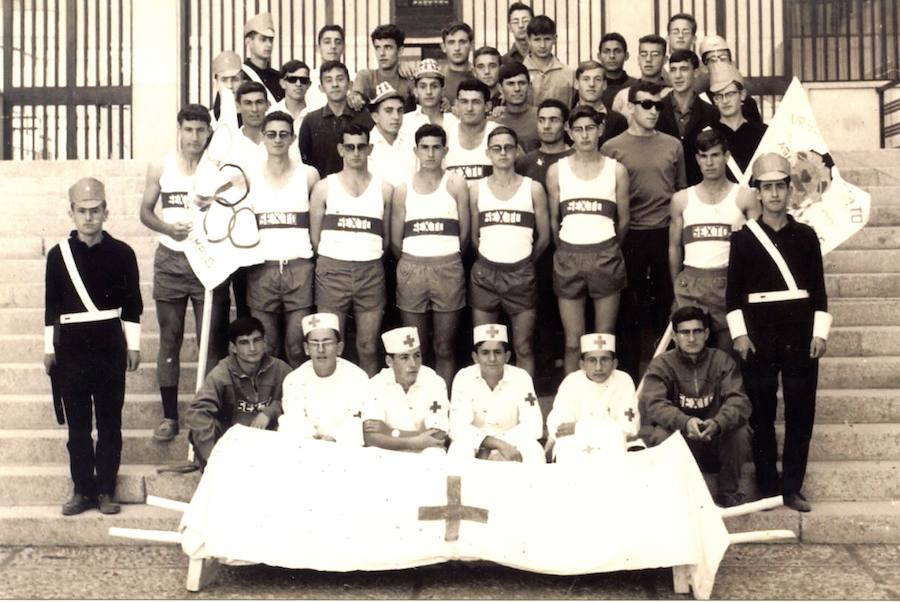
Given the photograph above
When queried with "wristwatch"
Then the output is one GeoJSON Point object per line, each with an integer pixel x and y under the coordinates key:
{"type": "Point", "coordinates": [395, 433]}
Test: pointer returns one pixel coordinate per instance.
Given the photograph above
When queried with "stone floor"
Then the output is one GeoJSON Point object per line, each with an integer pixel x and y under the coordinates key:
{"type": "Point", "coordinates": [769, 572]}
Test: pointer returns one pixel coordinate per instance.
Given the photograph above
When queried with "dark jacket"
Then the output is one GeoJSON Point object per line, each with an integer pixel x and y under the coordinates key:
{"type": "Point", "coordinates": [677, 388]}
{"type": "Point", "coordinates": [703, 115]}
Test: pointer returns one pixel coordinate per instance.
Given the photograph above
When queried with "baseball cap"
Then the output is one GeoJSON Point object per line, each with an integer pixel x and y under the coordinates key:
{"type": "Point", "coordinates": [261, 23]}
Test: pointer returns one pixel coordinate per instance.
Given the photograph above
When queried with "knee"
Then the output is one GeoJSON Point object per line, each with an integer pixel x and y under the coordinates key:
{"type": "Point", "coordinates": [366, 346]}
{"type": "Point", "coordinates": [738, 441]}
{"type": "Point", "coordinates": [523, 346]}
{"type": "Point", "coordinates": [443, 349]}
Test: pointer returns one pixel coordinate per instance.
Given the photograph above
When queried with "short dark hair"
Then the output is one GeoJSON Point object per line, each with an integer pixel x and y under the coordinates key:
{"type": "Point", "coordinates": [431, 129]}
{"type": "Point", "coordinates": [685, 55]}
{"type": "Point", "coordinates": [331, 66]}
{"type": "Point", "coordinates": [486, 50]}
{"type": "Point", "coordinates": [541, 25]}
{"type": "Point", "coordinates": [457, 26]}
{"type": "Point", "coordinates": [652, 38]}
{"type": "Point", "coordinates": [612, 36]}
{"type": "Point", "coordinates": [249, 87]}
{"type": "Point", "coordinates": [243, 326]}
{"type": "Point", "coordinates": [643, 86]}
{"type": "Point", "coordinates": [354, 129]}
{"type": "Point", "coordinates": [389, 32]}
{"type": "Point", "coordinates": [502, 129]}
{"type": "Point", "coordinates": [291, 66]}
{"type": "Point", "coordinates": [686, 17]}
{"type": "Point", "coordinates": [582, 111]}
{"type": "Point", "coordinates": [709, 138]}
{"type": "Point", "coordinates": [513, 69]}
{"type": "Point", "coordinates": [474, 85]}
{"type": "Point", "coordinates": [688, 313]}
{"type": "Point", "coordinates": [554, 103]}
{"type": "Point", "coordinates": [194, 112]}
{"type": "Point", "coordinates": [330, 27]}
{"type": "Point", "coordinates": [518, 6]}
{"type": "Point", "coordinates": [278, 116]}
{"type": "Point", "coordinates": [589, 65]}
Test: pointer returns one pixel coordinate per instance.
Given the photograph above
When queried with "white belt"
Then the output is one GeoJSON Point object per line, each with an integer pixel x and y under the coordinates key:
{"type": "Point", "coordinates": [90, 316]}
{"type": "Point", "coordinates": [788, 295]}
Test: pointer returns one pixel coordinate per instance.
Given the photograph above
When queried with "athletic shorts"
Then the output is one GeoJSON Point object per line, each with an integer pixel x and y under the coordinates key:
{"type": "Point", "coordinates": [511, 287]}
{"type": "Point", "coordinates": [173, 277]}
{"type": "Point", "coordinates": [430, 283]}
{"type": "Point", "coordinates": [594, 271]}
{"type": "Point", "coordinates": [704, 289]}
{"type": "Point", "coordinates": [281, 286]}
{"type": "Point", "coordinates": [342, 286]}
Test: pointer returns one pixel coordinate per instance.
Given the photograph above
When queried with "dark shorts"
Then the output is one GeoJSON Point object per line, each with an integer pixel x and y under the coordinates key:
{"type": "Point", "coordinates": [594, 271]}
{"type": "Point", "coordinates": [704, 289]}
{"type": "Point", "coordinates": [276, 286]}
{"type": "Point", "coordinates": [342, 286]}
{"type": "Point", "coordinates": [511, 287]}
{"type": "Point", "coordinates": [173, 277]}
{"type": "Point", "coordinates": [430, 283]}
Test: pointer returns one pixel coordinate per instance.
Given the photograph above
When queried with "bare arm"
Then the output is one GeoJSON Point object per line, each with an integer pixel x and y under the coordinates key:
{"type": "Point", "coordinates": [553, 201]}
{"type": "Point", "coordinates": [676, 224]}
{"type": "Point", "coordinates": [312, 177]}
{"type": "Point", "coordinates": [398, 219]}
{"type": "Point", "coordinates": [623, 203]}
{"type": "Point", "coordinates": [387, 191]}
{"type": "Point", "coordinates": [748, 203]}
{"type": "Point", "coordinates": [148, 204]}
{"type": "Point", "coordinates": [317, 212]}
{"type": "Point", "coordinates": [473, 212]}
{"type": "Point", "coordinates": [541, 219]}
{"type": "Point", "coordinates": [456, 186]}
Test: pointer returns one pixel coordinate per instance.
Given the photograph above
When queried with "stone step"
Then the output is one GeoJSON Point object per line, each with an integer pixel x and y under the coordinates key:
{"type": "Point", "coordinates": [75, 169]}
{"type": "Point", "coordinates": [33, 270]}
{"type": "Point", "coordinates": [884, 215]}
{"type": "Point", "coordinates": [866, 341]}
{"type": "Point", "coordinates": [861, 285]}
{"type": "Point", "coordinates": [839, 406]}
{"type": "Point", "coordinates": [31, 378]}
{"type": "Point", "coordinates": [842, 261]}
{"type": "Point", "coordinates": [15, 347]}
{"type": "Point", "coordinates": [49, 446]}
{"type": "Point", "coordinates": [21, 247]}
{"type": "Point", "coordinates": [30, 320]}
{"type": "Point", "coordinates": [29, 484]}
{"type": "Point", "coordinates": [877, 158]}
{"type": "Point", "coordinates": [123, 197]}
{"type": "Point", "coordinates": [45, 525]}
{"type": "Point", "coordinates": [871, 237]}
{"type": "Point", "coordinates": [865, 311]}
{"type": "Point", "coordinates": [860, 373]}
{"type": "Point", "coordinates": [885, 175]}
{"type": "Point", "coordinates": [852, 441]}
{"type": "Point", "coordinates": [141, 411]}
{"type": "Point", "coordinates": [884, 195]}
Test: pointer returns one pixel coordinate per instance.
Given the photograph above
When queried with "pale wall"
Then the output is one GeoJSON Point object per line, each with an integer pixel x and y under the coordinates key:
{"type": "Point", "coordinates": [847, 113]}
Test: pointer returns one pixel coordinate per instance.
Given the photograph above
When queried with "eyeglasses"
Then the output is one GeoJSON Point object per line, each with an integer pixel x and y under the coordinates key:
{"type": "Point", "coordinates": [720, 96]}
{"type": "Point", "coordinates": [281, 135]}
{"type": "Point", "coordinates": [502, 148]}
{"type": "Point", "coordinates": [651, 104]}
{"type": "Point", "coordinates": [321, 344]}
{"type": "Point", "coordinates": [298, 79]}
{"type": "Point", "coordinates": [690, 332]}
{"type": "Point", "coordinates": [362, 147]}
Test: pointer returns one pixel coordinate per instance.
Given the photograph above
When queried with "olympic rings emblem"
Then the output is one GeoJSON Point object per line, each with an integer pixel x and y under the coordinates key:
{"type": "Point", "coordinates": [221, 220]}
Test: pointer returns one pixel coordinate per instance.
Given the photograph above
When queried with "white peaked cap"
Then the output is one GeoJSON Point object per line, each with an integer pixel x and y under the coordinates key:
{"type": "Point", "coordinates": [490, 332]}
{"type": "Point", "coordinates": [316, 321]}
{"type": "Point", "coordinates": [399, 340]}
{"type": "Point", "coordinates": [598, 342]}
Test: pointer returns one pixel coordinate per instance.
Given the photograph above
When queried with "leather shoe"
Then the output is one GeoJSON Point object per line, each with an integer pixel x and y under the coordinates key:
{"type": "Point", "coordinates": [797, 501]}
{"type": "Point", "coordinates": [166, 430]}
{"type": "Point", "coordinates": [106, 505]}
{"type": "Point", "coordinates": [77, 504]}
{"type": "Point", "coordinates": [729, 500]}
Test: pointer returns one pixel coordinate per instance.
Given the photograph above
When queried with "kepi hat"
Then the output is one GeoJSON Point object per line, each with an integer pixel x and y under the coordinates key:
{"type": "Point", "coordinates": [771, 167]}
{"type": "Point", "coordinates": [261, 23]}
{"type": "Point", "coordinates": [399, 340]}
{"type": "Point", "coordinates": [721, 75]}
{"type": "Point", "coordinates": [320, 320]}
{"type": "Point", "coordinates": [86, 190]}
{"type": "Point", "coordinates": [598, 341]}
{"type": "Point", "coordinates": [227, 63]}
{"type": "Point", "coordinates": [490, 332]}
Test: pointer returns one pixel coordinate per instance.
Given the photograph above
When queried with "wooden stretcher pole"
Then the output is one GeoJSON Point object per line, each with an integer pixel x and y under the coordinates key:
{"type": "Point", "coordinates": [203, 348]}
{"type": "Point", "coordinates": [661, 348]}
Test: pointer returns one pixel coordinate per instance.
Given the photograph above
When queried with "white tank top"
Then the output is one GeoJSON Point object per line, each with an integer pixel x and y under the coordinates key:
{"type": "Point", "coordinates": [431, 228]}
{"type": "Point", "coordinates": [505, 228]}
{"type": "Point", "coordinates": [282, 214]}
{"type": "Point", "coordinates": [587, 207]}
{"type": "Point", "coordinates": [353, 226]}
{"type": "Point", "coordinates": [472, 164]}
{"type": "Point", "coordinates": [176, 192]}
{"type": "Point", "coordinates": [707, 229]}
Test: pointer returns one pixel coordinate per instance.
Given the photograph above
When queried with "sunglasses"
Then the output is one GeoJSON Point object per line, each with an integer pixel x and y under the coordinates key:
{"type": "Point", "coordinates": [362, 147]}
{"type": "Point", "coordinates": [282, 135]}
{"type": "Point", "coordinates": [502, 148]}
{"type": "Point", "coordinates": [651, 104]}
{"type": "Point", "coordinates": [298, 79]}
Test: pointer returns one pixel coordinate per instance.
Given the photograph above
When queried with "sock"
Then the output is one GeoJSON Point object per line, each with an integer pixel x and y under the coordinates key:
{"type": "Point", "coordinates": [170, 401]}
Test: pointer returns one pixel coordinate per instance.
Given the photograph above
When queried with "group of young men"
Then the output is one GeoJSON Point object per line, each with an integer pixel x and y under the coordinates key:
{"type": "Point", "coordinates": [465, 175]}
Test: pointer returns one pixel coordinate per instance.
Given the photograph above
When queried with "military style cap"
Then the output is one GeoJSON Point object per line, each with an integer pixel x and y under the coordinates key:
{"type": "Point", "coordinates": [771, 167]}
{"type": "Point", "coordinates": [383, 91]}
{"type": "Point", "coordinates": [598, 342]}
{"type": "Point", "coordinates": [261, 23]}
{"type": "Point", "coordinates": [227, 63]}
{"type": "Point", "coordinates": [86, 190]}
{"type": "Point", "coordinates": [428, 68]}
{"type": "Point", "coordinates": [490, 332]}
{"type": "Point", "coordinates": [399, 340]}
{"type": "Point", "coordinates": [710, 43]}
{"type": "Point", "coordinates": [721, 75]}
{"type": "Point", "coordinates": [320, 320]}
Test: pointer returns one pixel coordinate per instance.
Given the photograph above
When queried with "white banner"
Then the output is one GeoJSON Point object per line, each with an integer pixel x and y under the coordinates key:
{"type": "Point", "coordinates": [266, 498]}
{"type": "Point", "coordinates": [224, 236]}
{"type": "Point", "coordinates": [822, 199]}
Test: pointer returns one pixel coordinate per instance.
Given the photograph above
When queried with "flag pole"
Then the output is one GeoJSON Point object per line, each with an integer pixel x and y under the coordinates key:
{"type": "Point", "coordinates": [663, 343]}
{"type": "Point", "coordinates": [203, 347]}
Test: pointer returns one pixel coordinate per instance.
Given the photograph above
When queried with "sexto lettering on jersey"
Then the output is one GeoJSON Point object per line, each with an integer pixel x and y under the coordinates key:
{"type": "Point", "coordinates": [602, 207]}
{"type": "Point", "coordinates": [353, 223]}
{"type": "Point", "coordinates": [700, 232]}
{"type": "Point", "coordinates": [177, 200]}
{"type": "Point", "coordinates": [438, 225]}
{"type": "Point", "coordinates": [472, 172]}
{"type": "Point", "coordinates": [694, 403]}
{"type": "Point", "coordinates": [506, 217]}
{"type": "Point", "coordinates": [283, 219]}
{"type": "Point", "coordinates": [252, 406]}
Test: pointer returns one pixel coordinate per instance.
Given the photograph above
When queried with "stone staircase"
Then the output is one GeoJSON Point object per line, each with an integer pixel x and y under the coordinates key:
{"type": "Point", "coordinates": [854, 470]}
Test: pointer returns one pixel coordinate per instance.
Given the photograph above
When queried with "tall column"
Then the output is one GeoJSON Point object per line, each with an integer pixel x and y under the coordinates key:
{"type": "Point", "coordinates": [156, 76]}
{"type": "Point", "coordinates": [632, 20]}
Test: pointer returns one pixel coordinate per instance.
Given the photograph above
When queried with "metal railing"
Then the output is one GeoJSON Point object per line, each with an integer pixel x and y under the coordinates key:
{"type": "Point", "coordinates": [889, 113]}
